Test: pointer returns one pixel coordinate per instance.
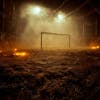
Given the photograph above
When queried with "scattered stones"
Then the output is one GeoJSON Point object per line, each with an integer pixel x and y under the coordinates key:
{"type": "Point", "coordinates": [51, 76]}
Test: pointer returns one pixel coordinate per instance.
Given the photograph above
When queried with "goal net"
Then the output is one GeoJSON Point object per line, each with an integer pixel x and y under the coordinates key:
{"type": "Point", "coordinates": [54, 41]}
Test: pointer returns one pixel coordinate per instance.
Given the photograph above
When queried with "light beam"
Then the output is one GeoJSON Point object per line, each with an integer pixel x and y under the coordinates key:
{"type": "Point", "coordinates": [35, 10]}
{"type": "Point", "coordinates": [60, 17]}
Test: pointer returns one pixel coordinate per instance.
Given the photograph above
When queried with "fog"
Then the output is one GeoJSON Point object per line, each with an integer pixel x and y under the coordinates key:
{"type": "Point", "coordinates": [46, 21]}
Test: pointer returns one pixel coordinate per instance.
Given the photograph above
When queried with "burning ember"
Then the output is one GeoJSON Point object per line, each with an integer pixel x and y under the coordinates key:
{"type": "Point", "coordinates": [0, 51]}
{"type": "Point", "coordinates": [22, 54]}
{"type": "Point", "coordinates": [95, 47]}
{"type": "Point", "coordinates": [15, 49]}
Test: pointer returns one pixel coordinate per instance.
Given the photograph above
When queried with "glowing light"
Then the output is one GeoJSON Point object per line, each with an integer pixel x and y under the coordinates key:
{"type": "Point", "coordinates": [20, 54]}
{"type": "Point", "coordinates": [0, 51]}
{"type": "Point", "coordinates": [35, 10]}
{"type": "Point", "coordinates": [98, 47]}
{"type": "Point", "coordinates": [95, 47]}
{"type": "Point", "coordinates": [60, 17]}
{"type": "Point", "coordinates": [15, 49]}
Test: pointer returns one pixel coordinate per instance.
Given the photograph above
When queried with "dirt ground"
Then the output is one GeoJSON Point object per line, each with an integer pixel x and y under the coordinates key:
{"type": "Point", "coordinates": [70, 75]}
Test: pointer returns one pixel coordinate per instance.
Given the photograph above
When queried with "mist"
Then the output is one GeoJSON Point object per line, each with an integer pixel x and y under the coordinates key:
{"type": "Point", "coordinates": [30, 34]}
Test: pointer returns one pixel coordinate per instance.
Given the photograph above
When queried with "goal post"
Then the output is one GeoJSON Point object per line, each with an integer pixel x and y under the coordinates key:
{"type": "Point", "coordinates": [66, 36]}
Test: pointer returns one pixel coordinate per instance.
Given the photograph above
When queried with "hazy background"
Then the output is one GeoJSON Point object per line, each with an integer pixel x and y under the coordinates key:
{"type": "Point", "coordinates": [20, 28]}
{"type": "Point", "coordinates": [30, 33]}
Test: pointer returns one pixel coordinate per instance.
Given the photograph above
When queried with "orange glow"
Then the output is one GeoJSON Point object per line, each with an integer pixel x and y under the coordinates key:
{"type": "Point", "coordinates": [98, 47]}
{"type": "Point", "coordinates": [15, 49]}
{"type": "Point", "coordinates": [0, 51]}
{"type": "Point", "coordinates": [22, 54]}
{"type": "Point", "coordinates": [95, 47]}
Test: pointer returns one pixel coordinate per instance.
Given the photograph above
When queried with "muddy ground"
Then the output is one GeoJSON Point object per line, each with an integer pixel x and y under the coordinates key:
{"type": "Point", "coordinates": [70, 75]}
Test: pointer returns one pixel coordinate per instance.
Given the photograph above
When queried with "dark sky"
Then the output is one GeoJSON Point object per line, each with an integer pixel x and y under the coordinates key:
{"type": "Point", "coordinates": [76, 7]}
{"type": "Point", "coordinates": [71, 4]}
{"type": "Point", "coordinates": [90, 8]}
{"type": "Point", "coordinates": [80, 6]}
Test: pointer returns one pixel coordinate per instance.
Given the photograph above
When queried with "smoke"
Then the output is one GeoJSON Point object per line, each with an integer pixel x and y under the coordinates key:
{"type": "Point", "coordinates": [30, 34]}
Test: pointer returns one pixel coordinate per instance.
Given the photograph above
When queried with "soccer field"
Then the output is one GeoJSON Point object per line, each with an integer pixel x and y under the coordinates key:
{"type": "Point", "coordinates": [51, 75]}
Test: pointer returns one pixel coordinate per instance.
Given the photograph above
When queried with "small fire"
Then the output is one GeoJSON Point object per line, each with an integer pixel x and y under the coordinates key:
{"type": "Point", "coordinates": [98, 47]}
{"type": "Point", "coordinates": [95, 47]}
{"type": "Point", "coordinates": [0, 51]}
{"type": "Point", "coordinates": [15, 49]}
{"type": "Point", "coordinates": [22, 54]}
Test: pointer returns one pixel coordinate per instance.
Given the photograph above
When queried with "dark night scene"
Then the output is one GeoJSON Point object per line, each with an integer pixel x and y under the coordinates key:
{"type": "Point", "coordinates": [49, 50]}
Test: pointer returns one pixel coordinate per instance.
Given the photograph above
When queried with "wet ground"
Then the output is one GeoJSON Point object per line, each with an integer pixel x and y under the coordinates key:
{"type": "Point", "coordinates": [70, 75]}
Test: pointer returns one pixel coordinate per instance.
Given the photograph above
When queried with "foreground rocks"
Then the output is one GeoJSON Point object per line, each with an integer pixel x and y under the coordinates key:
{"type": "Point", "coordinates": [71, 75]}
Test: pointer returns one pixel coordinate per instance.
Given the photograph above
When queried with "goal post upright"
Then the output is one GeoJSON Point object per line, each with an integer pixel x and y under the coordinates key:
{"type": "Point", "coordinates": [69, 41]}
{"type": "Point", "coordinates": [48, 33]}
{"type": "Point", "coordinates": [41, 41]}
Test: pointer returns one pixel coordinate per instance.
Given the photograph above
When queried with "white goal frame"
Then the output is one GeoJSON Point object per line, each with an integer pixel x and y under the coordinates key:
{"type": "Point", "coordinates": [67, 37]}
